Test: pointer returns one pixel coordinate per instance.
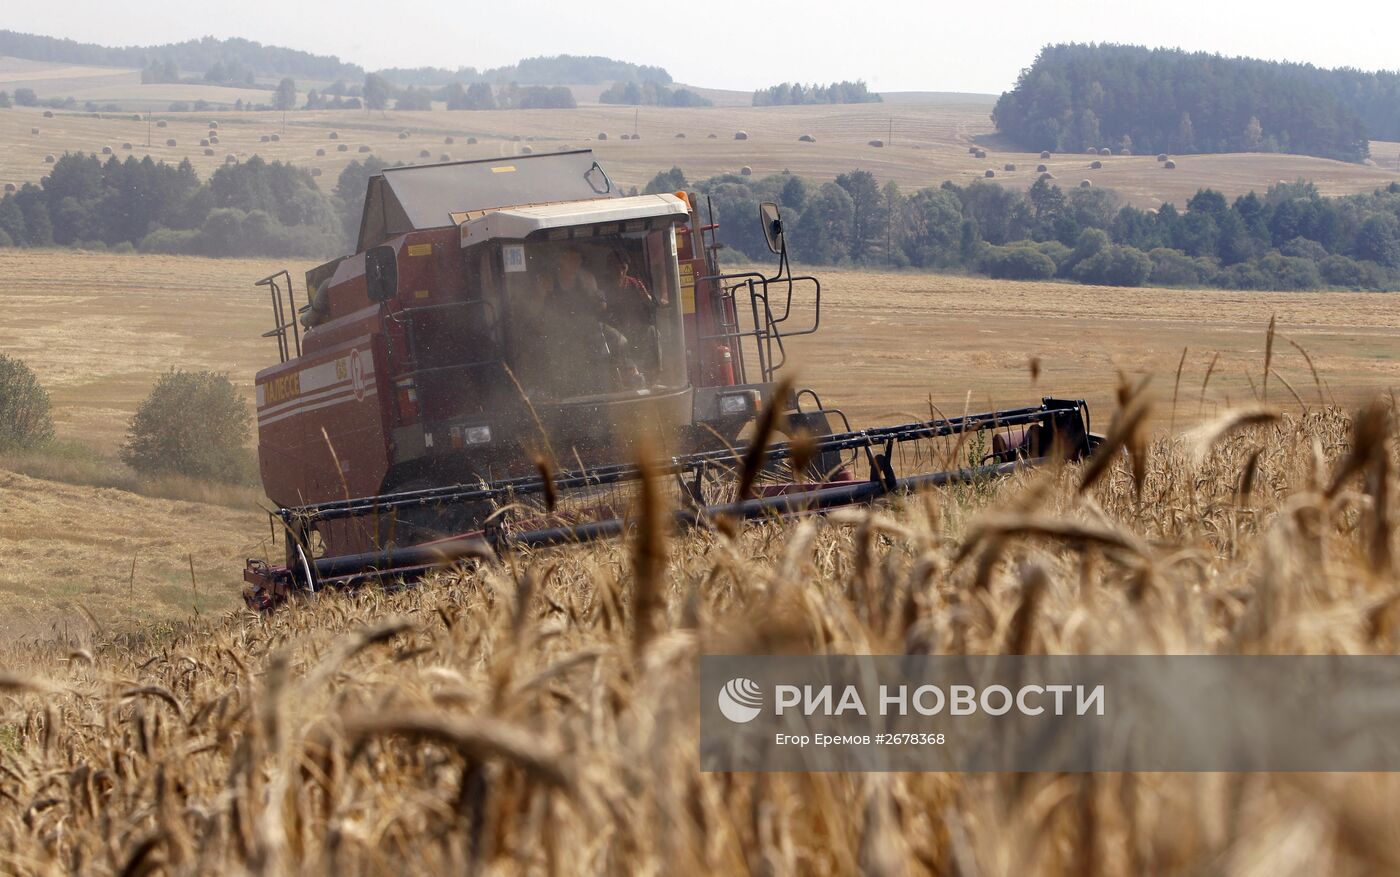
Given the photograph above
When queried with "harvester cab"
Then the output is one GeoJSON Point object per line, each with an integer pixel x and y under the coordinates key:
{"type": "Point", "coordinates": [510, 335]}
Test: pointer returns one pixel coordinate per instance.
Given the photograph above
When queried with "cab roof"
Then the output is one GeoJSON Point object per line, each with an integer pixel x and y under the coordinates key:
{"type": "Point", "coordinates": [416, 197]}
{"type": "Point", "coordinates": [518, 223]}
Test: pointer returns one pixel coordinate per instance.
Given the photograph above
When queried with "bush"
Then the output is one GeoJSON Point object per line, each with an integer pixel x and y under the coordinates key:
{"type": "Point", "coordinates": [24, 407]}
{"type": "Point", "coordinates": [1347, 272]}
{"type": "Point", "coordinates": [1289, 272]}
{"type": "Point", "coordinates": [1019, 263]}
{"type": "Point", "coordinates": [1115, 266]}
{"type": "Point", "coordinates": [1174, 268]}
{"type": "Point", "coordinates": [1057, 252]}
{"type": "Point", "coordinates": [192, 424]}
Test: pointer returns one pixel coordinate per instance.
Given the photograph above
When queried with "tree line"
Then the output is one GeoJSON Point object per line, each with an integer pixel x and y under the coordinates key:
{"type": "Point", "coordinates": [795, 93]}
{"type": "Point", "coordinates": [256, 208]}
{"type": "Point", "coordinates": [1077, 96]}
{"type": "Point", "coordinates": [200, 54]}
{"type": "Point", "coordinates": [241, 62]}
{"type": "Point", "coordinates": [1290, 237]}
{"type": "Point", "coordinates": [651, 94]}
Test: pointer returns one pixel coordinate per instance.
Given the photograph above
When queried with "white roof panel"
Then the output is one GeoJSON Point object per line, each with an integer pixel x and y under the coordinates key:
{"type": "Point", "coordinates": [517, 223]}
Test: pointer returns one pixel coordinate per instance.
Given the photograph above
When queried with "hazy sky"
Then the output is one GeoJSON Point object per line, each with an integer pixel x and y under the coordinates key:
{"type": "Point", "coordinates": [896, 45]}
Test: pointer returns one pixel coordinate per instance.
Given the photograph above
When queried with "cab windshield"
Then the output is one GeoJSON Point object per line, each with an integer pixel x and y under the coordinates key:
{"type": "Point", "coordinates": [593, 314]}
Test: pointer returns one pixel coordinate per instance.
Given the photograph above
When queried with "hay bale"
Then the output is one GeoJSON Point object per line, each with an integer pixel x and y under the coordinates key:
{"type": "Point", "coordinates": [171, 142]}
{"type": "Point", "coordinates": [807, 138]}
{"type": "Point", "coordinates": [1096, 165]}
{"type": "Point", "coordinates": [746, 171]}
{"type": "Point", "coordinates": [1161, 156]}
{"type": "Point", "coordinates": [680, 135]}
{"type": "Point", "coordinates": [989, 173]}
{"type": "Point", "coordinates": [276, 138]}
{"type": "Point", "coordinates": [48, 114]}
{"type": "Point", "coordinates": [1045, 153]}
{"type": "Point", "coordinates": [403, 135]}
{"type": "Point", "coordinates": [213, 126]}
{"type": "Point", "coordinates": [1085, 184]}
{"type": "Point", "coordinates": [106, 150]}
{"type": "Point", "coordinates": [471, 141]}
{"type": "Point", "coordinates": [516, 139]}
{"type": "Point", "coordinates": [878, 144]}
{"type": "Point", "coordinates": [1008, 167]}
{"type": "Point", "coordinates": [1124, 151]}
{"type": "Point", "coordinates": [209, 151]}
{"type": "Point", "coordinates": [981, 153]}
{"type": "Point", "coordinates": [213, 140]}
{"type": "Point", "coordinates": [444, 157]}
{"type": "Point", "coordinates": [49, 159]}
{"type": "Point", "coordinates": [626, 137]}
{"type": "Point", "coordinates": [11, 187]}
{"type": "Point", "coordinates": [423, 153]}
{"type": "Point", "coordinates": [448, 140]}
{"type": "Point", "coordinates": [342, 148]}
{"type": "Point", "coordinates": [1169, 165]}
{"type": "Point", "coordinates": [602, 135]}
{"type": "Point", "coordinates": [135, 117]}
{"type": "Point", "coordinates": [320, 152]}
{"type": "Point", "coordinates": [334, 135]}
{"type": "Point", "coordinates": [1105, 151]}
{"type": "Point", "coordinates": [526, 150]}
{"type": "Point", "coordinates": [363, 149]}
{"type": "Point", "coordinates": [230, 159]}
{"type": "Point", "coordinates": [160, 124]}
{"type": "Point", "coordinates": [1040, 168]}
{"type": "Point", "coordinates": [741, 135]}
{"type": "Point", "coordinates": [1091, 151]}
{"type": "Point", "coordinates": [315, 172]}
{"type": "Point", "coordinates": [33, 130]}
{"type": "Point", "coordinates": [712, 136]}
{"type": "Point", "coordinates": [126, 146]}
{"type": "Point", "coordinates": [972, 150]}
{"type": "Point", "coordinates": [264, 139]}
{"type": "Point", "coordinates": [204, 142]}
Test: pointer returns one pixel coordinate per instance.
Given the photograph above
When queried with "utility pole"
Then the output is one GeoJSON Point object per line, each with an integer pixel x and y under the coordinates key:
{"type": "Point", "coordinates": [148, 129]}
{"type": "Point", "coordinates": [635, 116]}
{"type": "Point", "coordinates": [889, 140]}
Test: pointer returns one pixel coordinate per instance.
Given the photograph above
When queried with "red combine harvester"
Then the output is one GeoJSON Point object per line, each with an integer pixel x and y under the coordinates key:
{"type": "Point", "coordinates": [478, 374]}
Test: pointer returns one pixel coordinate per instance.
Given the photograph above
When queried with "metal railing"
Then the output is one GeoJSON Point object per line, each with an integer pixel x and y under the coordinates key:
{"type": "Point", "coordinates": [767, 332]}
{"type": "Point", "coordinates": [285, 349]}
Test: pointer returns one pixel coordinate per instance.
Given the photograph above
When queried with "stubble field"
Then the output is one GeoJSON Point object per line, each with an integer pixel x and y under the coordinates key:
{"type": "Point", "coordinates": [926, 142]}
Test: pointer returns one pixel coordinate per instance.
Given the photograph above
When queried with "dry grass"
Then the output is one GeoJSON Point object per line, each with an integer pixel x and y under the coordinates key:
{"type": "Point", "coordinates": [539, 716]}
{"type": "Point", "coordinates": [931, 136]}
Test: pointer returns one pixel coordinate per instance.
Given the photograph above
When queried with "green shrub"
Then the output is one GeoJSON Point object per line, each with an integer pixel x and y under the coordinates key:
{"type": "Point", "coordinates": [1343, 271]}
{"type": "Point", "coordinates": [1290, 272]}
{"type": "Point", "coordinates": [1115, 266]}
{"type": "Point", "coordinates": [25, 420]}
{"type": "Point", "coordinates": [1019, 263]}
{"type": "Point", "coordinates": [192, 424]}
{"type": "Point", "coordinates": [1174, 268]}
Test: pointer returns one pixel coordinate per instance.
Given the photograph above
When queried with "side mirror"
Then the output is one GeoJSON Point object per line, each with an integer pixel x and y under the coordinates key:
{"type": "Point", "coordinates": [381, 273]}
{"type": "Point", "coordinates": [772, 223]}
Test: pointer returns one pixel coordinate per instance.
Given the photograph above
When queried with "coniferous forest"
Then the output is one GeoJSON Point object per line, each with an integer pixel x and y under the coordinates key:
{"type": "Point", "coordinates": [1077, 96]}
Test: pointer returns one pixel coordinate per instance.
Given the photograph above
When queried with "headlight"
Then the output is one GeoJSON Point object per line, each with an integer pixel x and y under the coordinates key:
{"type": "Point", "coordinates": [736, 403]}
{"type": "Point", "coordinates": [477, 435]}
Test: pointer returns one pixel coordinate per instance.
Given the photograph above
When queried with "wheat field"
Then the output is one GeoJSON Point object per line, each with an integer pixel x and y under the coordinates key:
{"type": "Point", "coordinates": [539, 715]}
